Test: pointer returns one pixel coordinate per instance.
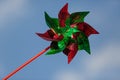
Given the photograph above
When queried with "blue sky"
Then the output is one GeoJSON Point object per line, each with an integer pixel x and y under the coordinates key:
{"type": "Point", "coordinates": [21, 19]}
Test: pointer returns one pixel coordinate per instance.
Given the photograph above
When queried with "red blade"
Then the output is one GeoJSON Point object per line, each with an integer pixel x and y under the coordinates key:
{"type": "Point", "coordinates": [63, 15]}
{"type": "Point", "coordinates": [50, 36]}
{"type": "Point", "coordinates": [86, 28]}
{"type": "Point", "coordinates": [71, 51]}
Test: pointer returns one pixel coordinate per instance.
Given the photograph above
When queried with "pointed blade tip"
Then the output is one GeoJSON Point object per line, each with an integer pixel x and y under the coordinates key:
{"type": "Point", "coordinates": [97, 33]}
{"type": "Point", "coordinates": [69, 61]}
{"type": "Point", "coordinates": [45, 12]}
{"type": "Point", "coordinates": [66, 4]}
{"type": "Point", "coordinates": [37, 33]}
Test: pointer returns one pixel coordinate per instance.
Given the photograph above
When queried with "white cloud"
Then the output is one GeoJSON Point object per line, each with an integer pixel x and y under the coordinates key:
{"type": "Point", "coordinates": [10, 9]}
{"type": "Point", "coordinates": [106, 58]}
{"type": "Point", "coordinates": [68, 75]}
{"type": "Point", "coordinates": [109, 55]}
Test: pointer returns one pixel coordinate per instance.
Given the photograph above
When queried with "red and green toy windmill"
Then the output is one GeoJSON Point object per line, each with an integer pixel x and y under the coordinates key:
{"type": "Point", "coordinates": [68, 33]}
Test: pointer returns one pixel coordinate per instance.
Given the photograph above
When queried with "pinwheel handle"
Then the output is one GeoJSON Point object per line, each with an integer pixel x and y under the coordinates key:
{"type": "Point", "coordinates": [26, 63]}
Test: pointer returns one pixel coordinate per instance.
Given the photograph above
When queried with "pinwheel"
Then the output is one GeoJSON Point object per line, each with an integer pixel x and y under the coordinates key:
{"type": "Point", "coordinates": [68, 33]}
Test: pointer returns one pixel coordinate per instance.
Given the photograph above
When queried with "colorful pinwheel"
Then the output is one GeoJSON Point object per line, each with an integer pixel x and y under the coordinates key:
{"type": "Point", "coordinates": [68, 33]}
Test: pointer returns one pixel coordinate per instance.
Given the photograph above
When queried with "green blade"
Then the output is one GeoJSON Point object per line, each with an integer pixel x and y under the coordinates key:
{"type": "Point", "coordinates": [52, 22]}
{"type": "Point", "coordinates": [53, 51]}
{"type": "Point", "coordinates": [77, 17]}
{"type": "Point", "coordinates": [83, 43]}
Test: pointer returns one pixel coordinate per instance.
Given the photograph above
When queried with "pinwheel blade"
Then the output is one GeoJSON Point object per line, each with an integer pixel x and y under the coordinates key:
{"type": "Point", "coordinates": [63, 15]}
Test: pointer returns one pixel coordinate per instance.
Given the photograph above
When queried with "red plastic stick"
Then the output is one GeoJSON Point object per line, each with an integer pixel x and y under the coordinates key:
{"type": "Point", "coordinates": [26, 63]}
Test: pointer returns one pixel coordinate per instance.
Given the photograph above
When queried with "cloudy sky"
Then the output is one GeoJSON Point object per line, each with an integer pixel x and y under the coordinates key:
{"type": "Point", "coordinates": [21, 19]}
